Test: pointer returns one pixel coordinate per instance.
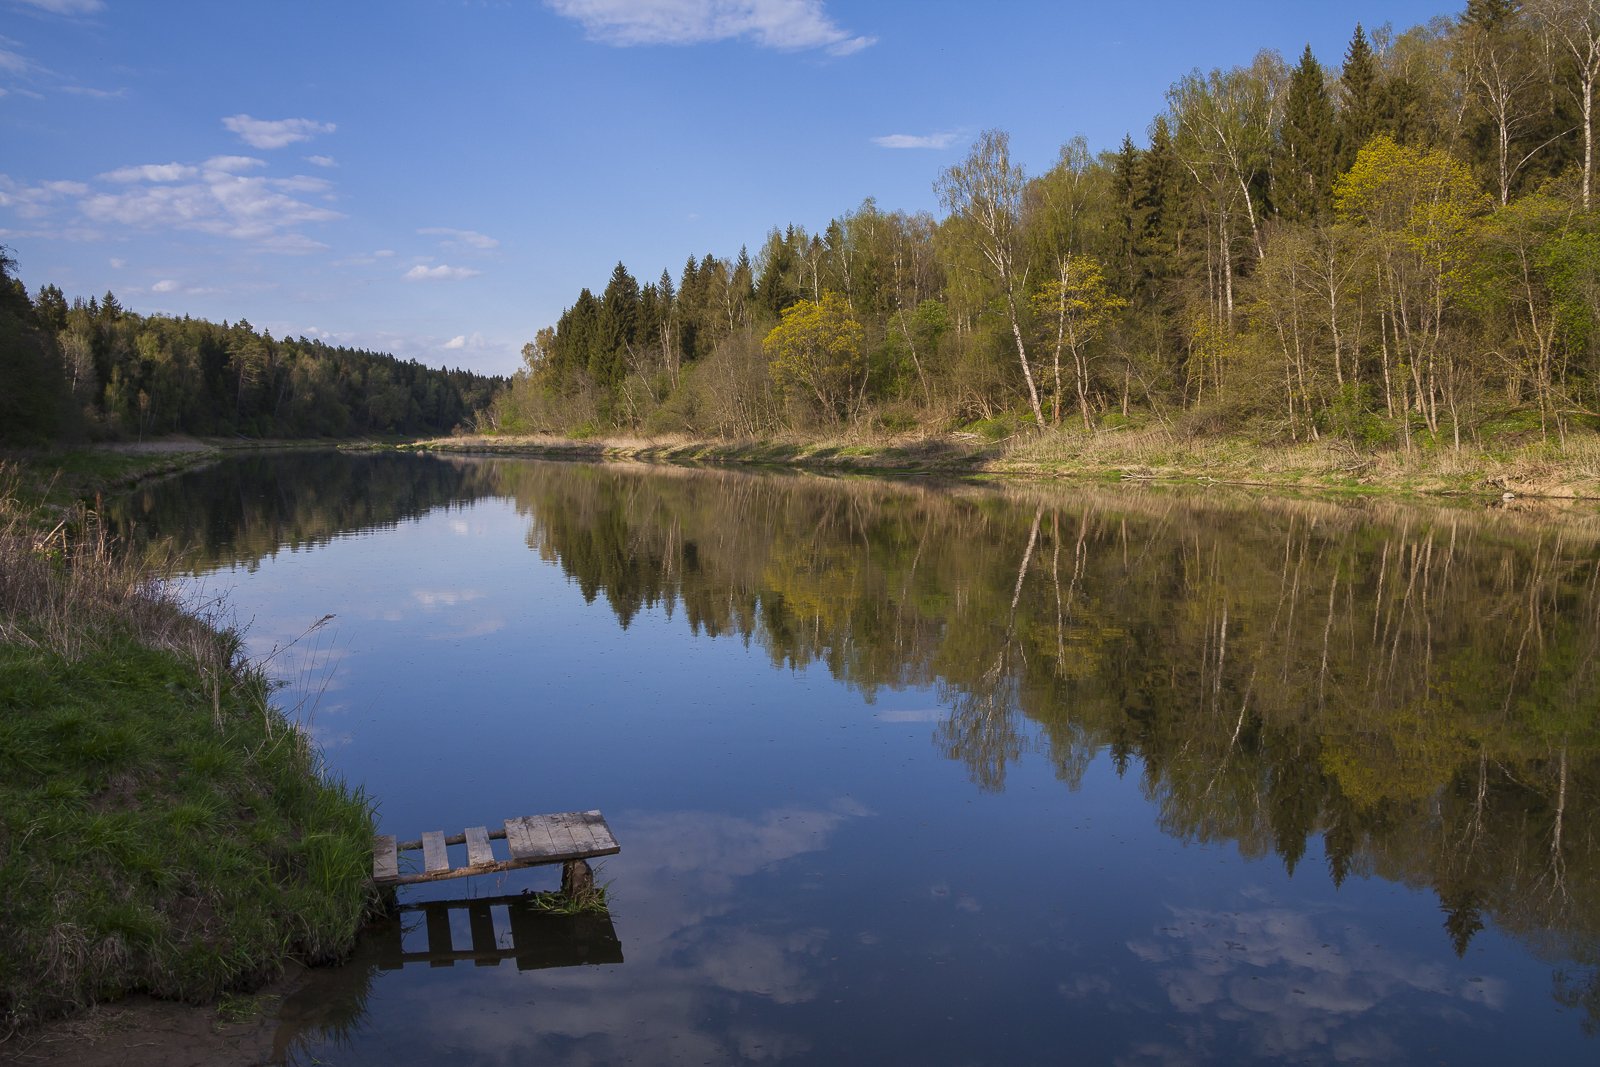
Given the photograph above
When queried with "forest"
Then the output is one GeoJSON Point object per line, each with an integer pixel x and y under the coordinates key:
{"type": "Point", "coordinates": [1396, 250]}
{"type": "Point", "coordinates": [94, 369]}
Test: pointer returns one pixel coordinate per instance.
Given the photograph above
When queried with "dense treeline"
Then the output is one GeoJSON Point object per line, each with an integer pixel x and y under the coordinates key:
{"type": "Point", "coordinates": [1403, 247]}
{"type": "Point", "coordinates": [94, 368]}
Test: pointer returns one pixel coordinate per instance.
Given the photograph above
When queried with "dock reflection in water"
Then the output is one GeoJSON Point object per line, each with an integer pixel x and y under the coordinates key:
{"type": "Point", "coordinates": [330, 1005]}
{"type": "Point", "coordinates": [501, 928]}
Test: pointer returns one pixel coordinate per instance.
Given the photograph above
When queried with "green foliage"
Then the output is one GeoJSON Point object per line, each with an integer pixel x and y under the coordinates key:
{"type": "Point", "coordinates": [34, 402]}
{"type": "Point", "coordinates": [816, 357]}
{"type": "Point", "coordinates": [1304, 164]}
{"type": "Point", "coordinates": [124, 374]}
{"type": "Point", "coordinates": [1291, 253]}
{"type": "Point", "coordinates": [1351, 415]}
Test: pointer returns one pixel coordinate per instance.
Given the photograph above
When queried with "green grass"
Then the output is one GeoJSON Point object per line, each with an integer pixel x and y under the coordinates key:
{"type": "Point", "coordinates": [148, 847]}
{"type": "Point", "coordinates": [163, 828]}
{"type": "Point", "coordinates": [592, 901]}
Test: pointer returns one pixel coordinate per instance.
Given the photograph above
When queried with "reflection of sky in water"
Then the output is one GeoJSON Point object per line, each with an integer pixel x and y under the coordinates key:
{"type": "Point", "coordinates": [803, 876]}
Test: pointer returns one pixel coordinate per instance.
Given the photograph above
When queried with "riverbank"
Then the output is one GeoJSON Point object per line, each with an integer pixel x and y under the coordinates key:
{"type": "Point", "coordinates": [163, 828]}
{"type": "Point", "coordinates": [1522, 468]}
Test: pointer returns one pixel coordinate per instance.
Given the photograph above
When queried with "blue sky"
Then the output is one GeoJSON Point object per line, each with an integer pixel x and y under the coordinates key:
{"type": "Point", "coordinates": [438, 178]}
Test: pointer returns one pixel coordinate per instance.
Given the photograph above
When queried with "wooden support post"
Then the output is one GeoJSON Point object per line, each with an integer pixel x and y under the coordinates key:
{"type": "Point", "coordinates": [576, 878]}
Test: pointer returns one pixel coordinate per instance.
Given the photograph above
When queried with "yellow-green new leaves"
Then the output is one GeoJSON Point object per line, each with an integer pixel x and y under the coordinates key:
{"type": "Point", "coordinates": [1420, 207]}
{"type": "Point", "coordinates": [815, 352]}
{"type": "Point", "coordinates": [1425, 199]}
{"type": "Point", "coordinates": [1077, 304]}
{"type": "Point", "coordinates": [1078, 297]}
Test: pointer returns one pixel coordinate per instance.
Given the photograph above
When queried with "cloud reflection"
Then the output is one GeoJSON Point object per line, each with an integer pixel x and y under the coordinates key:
{"type": "Point", "coordinates": [698, 967]}
{"type": "Point", "coordinates": [1288, 983]}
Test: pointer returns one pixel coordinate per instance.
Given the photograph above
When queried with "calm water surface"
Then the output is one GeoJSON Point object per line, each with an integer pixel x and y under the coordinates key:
{"type": "Point", "coordinates": [938, 774]}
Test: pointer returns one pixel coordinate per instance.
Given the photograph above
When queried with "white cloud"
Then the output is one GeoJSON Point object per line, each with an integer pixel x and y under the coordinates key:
{"type": "Point", "coordinates": [233, 164]}
{"type": "Point", "coordinates": [461, 238]}
{"type": "Point", "coordinates": [165, 285]}
{"type": "Point", "coordinates": [15, 62]}
{"type": "Point", "coordinates": [912, 140]}
{"type": "Point", "coordinates": [420, 273]}
{"type": "Point", "coordinates": [151, 172]}
{"type": "Point", "coordinates": [292, 244]}
{"type": "Point", "coordinates": [275, 133]}
{"type": "Point", "coordinates": [304, 183]}
{"type": "Point", "coordinates": [322, 161]}
{"type": "Point", "coordinates": [91, 91]}
{"type": "Point", "coordinates": [116, 263]}
{"type": "Point", "coordinates": [216, 197]}
{"type": "Point", "coordinates": [473, 341]}
{"type": "Point", "coordinates": [788, 25]}
{"type": "Point", "coordinates": [36, 201]}
{"type": "Point", "coordinates": [69, 7]}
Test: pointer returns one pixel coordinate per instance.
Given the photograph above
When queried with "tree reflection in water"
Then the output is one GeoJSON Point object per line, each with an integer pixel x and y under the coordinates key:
{"type": "Point", "coordinates": [1417, 688]}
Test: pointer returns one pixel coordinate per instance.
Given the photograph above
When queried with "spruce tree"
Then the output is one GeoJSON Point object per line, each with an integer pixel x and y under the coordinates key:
{"type": "Point", "coordinates": [689, 309]}
{"type": "Point", "coordinates": [1129, 216]}
{"type": "Point", "coordinates": [1358, 118]}
{"type": "Point", "coordinates": [1158, 205]}
{"type": "Point", "coordinates": [1303, 174]}
{"type": "Point", "coordinates": [620, 309]}
{"type": "Point", "coordinates": [1491, 15]}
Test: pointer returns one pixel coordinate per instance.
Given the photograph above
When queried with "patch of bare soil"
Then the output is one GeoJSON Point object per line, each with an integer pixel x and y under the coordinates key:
{"type": "Point", "coordinates": [142, 1032]}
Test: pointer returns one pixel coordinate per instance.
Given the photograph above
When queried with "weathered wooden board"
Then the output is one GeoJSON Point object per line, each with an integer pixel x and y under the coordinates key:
{"type": "Point", "coordinates": [532, 839]}
{"type": "Point", "coordinates": [478, 851]}
{"type": "Point", "coordinates": [385, 859]}
{"type": "Point", "coordinates": [519, 841]}
{"type": "Point", "coordinates": [599, 833]}
{"type": "Point", "coordinates": [434, 857]}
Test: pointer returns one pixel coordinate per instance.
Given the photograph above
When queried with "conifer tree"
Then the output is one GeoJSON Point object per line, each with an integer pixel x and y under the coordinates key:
{"type": "Point", "coordinates": [1129, 216]}
{"type": "Point", "coordinates": [1358, 116]}
{"type": "Point", "coordinates": [1303, 178]}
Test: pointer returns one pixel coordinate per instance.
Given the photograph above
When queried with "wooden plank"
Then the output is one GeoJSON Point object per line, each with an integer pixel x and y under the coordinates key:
{"type": "Point", "coordinates": [385, 859]}
{"type": "Point", "coordinates": [529, 839]}
{"type": "Point", "coordinates": [434, 857]}
{"type": "Point", "coordinates": [478, 851]}
{"type": "Point", "coordinates": [561, 833]}
{"type": "Point", "coordinates": [600, 833]}
{"type": "Point", "coordinates": [571, 835]}
{"type": "Point", "coordinates": [580, 829]}
{"type": "Point", "coordinates": [590, 830]}
{"type": "Point", "coordinates": [518, 840]}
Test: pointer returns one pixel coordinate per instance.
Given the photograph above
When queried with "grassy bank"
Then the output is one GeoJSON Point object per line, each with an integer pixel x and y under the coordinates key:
{"type": "Point", "coordinates": [162, 827]}
{"type": "Point", "coordinates": [1525, 468]}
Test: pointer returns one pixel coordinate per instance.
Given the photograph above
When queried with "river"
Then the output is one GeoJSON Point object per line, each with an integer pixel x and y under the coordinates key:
{"type": "Point", "coordinates": [944, 773]}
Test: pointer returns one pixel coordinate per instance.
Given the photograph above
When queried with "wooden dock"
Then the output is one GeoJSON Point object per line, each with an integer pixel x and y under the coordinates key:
{"type": "Point", "coordinates": [569, 838]}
